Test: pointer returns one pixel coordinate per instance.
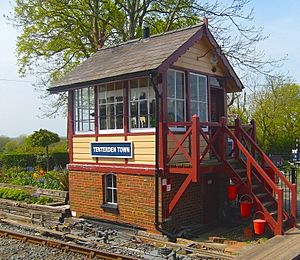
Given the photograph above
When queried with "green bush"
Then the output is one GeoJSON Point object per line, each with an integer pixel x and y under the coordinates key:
{"type": "Point", "coordinates": [22, 195]}
{"type": "Point", "coordinates": [23, 160]}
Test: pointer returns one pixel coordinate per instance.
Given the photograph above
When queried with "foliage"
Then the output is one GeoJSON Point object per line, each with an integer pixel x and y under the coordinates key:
{"type": "Point", "coordinates": [44, 138]}
{"type": "Point", "coordinates": [22, 161]}
{"type": "Point", "coordinates": [50, 180]}
{"type": "Point", "coordinates": [22, 195]}
{"type": "Point", "coordinates": [22, 144]}
{"type": "Point", "coordinates": [3, 141]}
{"type": "Point", "coordinates": [276, 109]}
{"type": "Point", "coordinates": [58, 35]}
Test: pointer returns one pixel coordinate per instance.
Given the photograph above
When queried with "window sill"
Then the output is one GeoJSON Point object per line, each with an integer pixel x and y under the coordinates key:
{"type": "Point", "coordinates": [112, 208]}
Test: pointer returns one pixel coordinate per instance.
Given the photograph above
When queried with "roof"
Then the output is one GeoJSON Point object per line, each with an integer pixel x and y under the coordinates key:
{"type": "Point", "coordinates": [133, 58]}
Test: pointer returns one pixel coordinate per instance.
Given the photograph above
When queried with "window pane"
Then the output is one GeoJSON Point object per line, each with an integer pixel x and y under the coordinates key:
{"type": "Point", "coordinates": [171, 84]}
{"type": "Point", "coordinates": [194, 108]}
{"type": "Point", "coordinates": [108, 181]}
{"type": "Point", "coordinates": [203, 112]}
{"type": "Point", "coordinates": [144, 114]}
{"type": "Point", "coordinates": [202, 89]}
{"type": "Point", "coordinates": [119, 121]}
{"type": "Point", "coordinates": [152, 113]}
{"type": "Point", "coordinates": [180, 111]}
{"type": "Point", "coordinates": [134, 90]}
{"type": "Point", "coordinates": [110, 94]}
{"type": "Point", "coordinates": [171, 110]}
{"type": "Point", "coordinates": [134, 114]}
{"type": "Point", "coordinates": [179, 85]}
{"type": "Point", "coordinates": [115, 196]}
{"type": "Point", "coordinates": [151, 92]}
{"type": "Point", "coordinates": [119, 92]}
{"type": "Point", "coordinates": [84, 110]}
{"type": "Point", "coordinates": [109, 195]}
{"type": "Point", "coordinates": [101, 95]}
{"type": "Point", "coordinates": [143, 89]}
{"type": "Point", "coordinates": [114, 181]}
{"type": "Point", "coordinates": [193, 87]}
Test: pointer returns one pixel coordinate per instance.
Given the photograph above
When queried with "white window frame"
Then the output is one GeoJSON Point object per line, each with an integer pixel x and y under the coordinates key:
{"type": "Point", "coordinates": [198, 96]}
{"type": "Point", "coordinates": [109, 131]}
{"type": "Point", "coordinates": [77, 107]}
{"type": "Point", "coordinates": [146, 129]}
{"type": "Point", "coordinates": [180, 99]}
{"type": "Point", "coordinates": [113, 188]}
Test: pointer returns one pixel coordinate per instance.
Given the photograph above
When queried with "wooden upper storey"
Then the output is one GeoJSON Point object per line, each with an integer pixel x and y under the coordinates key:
{"type": "Point", "coordinates": [189, 70]}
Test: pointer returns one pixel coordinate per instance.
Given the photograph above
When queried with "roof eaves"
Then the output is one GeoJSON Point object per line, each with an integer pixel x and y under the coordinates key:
{"type": "Point", "coordinates": [224, 59]}
{"type": "Point", "coordinates": [181, 50]}
{"type": "Point", "coordinates": [63, 88]}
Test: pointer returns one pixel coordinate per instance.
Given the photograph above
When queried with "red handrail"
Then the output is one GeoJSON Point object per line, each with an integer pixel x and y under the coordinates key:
{"type": "Point", "coordinates": [253, 162]}
{"type": "Point", "coordinates": [276, 171]}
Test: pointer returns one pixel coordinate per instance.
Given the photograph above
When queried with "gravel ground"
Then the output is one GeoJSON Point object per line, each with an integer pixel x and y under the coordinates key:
{"type": "Point", "coordinates": [14, 249]}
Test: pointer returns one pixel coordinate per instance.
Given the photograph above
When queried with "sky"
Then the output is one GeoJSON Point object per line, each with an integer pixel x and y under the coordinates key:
{"type": "Point", "coordinates": [20, 103]}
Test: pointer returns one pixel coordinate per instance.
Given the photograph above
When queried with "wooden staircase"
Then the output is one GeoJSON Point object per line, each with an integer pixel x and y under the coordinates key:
{"type": "Point", "coordinates": [247, 166]}
{"type": "Point", "coordinates": [248, 169]}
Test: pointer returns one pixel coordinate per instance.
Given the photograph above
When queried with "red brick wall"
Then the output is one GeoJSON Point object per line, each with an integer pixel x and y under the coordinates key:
{"type": "Point", "coordinates": [135, 198]}
{"type": "Point", "coordinates": [201, 203]}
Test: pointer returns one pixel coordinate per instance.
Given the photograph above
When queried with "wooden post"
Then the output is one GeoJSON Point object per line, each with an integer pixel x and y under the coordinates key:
{"type": "Point", "coordinates": [253, 136]}
{"type": "Point", "coordinates": [237, 125]}
{"type": "Point", "coordinates": [278, 229]}
{"type": "Point", "coordinates": [223, 140]}
{"type": "Point", "coordinates": [195, 148]}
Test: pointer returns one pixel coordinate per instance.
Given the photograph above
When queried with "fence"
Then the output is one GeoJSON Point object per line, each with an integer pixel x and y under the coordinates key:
{"type": "Point", "coordinates": [292, 174]}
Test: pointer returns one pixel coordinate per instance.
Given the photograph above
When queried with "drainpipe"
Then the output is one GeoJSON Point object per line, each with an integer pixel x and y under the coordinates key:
{"type": "Point", "coordinates": [171, 236]}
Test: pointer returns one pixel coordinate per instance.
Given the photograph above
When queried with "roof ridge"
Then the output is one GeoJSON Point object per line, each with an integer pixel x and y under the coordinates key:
{"type": "Point", "coordinates": [151, 37]}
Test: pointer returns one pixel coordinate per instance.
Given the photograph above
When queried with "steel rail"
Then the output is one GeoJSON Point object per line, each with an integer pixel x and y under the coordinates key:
{"type": "Point", "coordinates": [91, 252]}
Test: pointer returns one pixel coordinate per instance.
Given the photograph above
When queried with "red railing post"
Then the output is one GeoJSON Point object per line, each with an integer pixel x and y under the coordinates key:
{"type": "Point", "coordinates": [253, 136]}
{"type": "Point", "coordinates": [222, 151]}
{"type": "Point", "coordinates": [237, 125]}
{"type": "Point", "coordinates": [278, 229]}
{"type": "Point", "coordinates": [195, 147]}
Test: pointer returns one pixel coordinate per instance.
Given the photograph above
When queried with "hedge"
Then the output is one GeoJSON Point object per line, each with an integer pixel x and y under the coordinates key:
{"type": "Point", "coordinates": [31, 160]}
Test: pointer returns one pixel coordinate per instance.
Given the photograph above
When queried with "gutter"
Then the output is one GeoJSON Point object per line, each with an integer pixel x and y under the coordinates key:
{"type": "Point", "coordinates": [171, 236]}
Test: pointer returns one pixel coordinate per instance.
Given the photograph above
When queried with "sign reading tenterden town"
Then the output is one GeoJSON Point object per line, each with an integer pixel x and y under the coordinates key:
{"type": "Point", "coordinates": [112, 149]}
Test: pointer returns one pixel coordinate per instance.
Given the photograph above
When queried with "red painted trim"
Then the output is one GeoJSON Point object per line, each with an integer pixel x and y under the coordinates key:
{"type": "Point", "coordinates": [84, 135]}
{"type": "Point", "coordinates": [96, 109]}
{"type": "Point", "coordinates": [163, 120]}
{"type": "Point", "coordinates": [126, 111]}
{"type": "Point", "coordinates": [195, 148]}
{"type": "Point", "coordinates": [223, 58]}
{"type": "Point", "coordinates": [181, 50]}
{"type": "Point", "coordinates": [138, 170]}
{"type": "Point", "coordinates": [70, 124]}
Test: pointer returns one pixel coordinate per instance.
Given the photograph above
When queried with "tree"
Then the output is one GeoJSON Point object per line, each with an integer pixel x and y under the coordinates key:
{"type": "Point", "coordinates": [57, 35]}
{"type": "Point", "coordinates": [3, 141]}
{"type": "Point", "coordinates": [276, 109]}
{"type": "Point", "coordinates": [44, 138]}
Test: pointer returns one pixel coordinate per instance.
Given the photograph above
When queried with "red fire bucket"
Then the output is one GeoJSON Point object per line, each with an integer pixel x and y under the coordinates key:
{"type": "Point", "coordinates": [245, 206]}
{"type": "Point", "coordinates": [259, 224]}
{"type": "Point", "coordinates": [232, 191]}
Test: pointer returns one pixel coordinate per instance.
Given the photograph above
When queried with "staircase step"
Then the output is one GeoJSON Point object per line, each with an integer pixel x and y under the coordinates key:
{"type": "Point", "coordinates": [261, 195]}
{"type": "Point", "coordinates": [268, 203]}
{"type": "Point", "coordinates": [274, 212]}
{"type": "Point", "coordinates": [256, 186]}
{"type": "Point", "coordinates": [241, 171]}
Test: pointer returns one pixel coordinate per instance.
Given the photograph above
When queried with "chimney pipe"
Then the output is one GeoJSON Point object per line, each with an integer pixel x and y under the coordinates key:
{"type": "Point", "coordinates": [146, 30]}
{"type": "Point", "coordinates": [205, 21]}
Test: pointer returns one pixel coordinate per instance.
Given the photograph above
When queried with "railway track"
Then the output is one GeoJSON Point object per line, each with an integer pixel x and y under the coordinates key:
{"type": "Point", "coordinates": [89, 252]}
{"type": "Point", "coordinates": [138, 247]}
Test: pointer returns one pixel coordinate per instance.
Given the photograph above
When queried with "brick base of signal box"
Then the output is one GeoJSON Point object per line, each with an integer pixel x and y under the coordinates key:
{"type": "Point", "coordinates": [201, 203]}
